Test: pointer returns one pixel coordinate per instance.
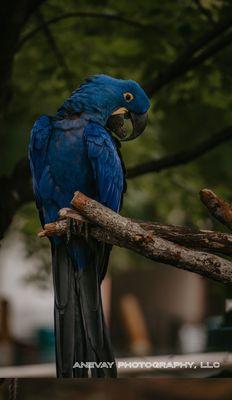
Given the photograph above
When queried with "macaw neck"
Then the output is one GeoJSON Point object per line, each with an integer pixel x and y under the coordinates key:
{"type": "Point", "coordinates": [72, 116]}
{"type": "Point", "coordinates": [89, 108]}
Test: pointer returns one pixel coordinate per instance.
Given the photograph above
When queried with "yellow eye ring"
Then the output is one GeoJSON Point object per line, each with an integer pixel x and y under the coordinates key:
{"type": "Point", "coordinates": [128, 96]}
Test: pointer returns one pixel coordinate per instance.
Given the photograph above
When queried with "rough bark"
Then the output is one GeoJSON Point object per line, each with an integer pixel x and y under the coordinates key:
{"type": "Point", "coordinates": [206, 240]}
{"type": "Point", "coordinates": [132, 236]}
{"type": "Point", "coordinates": [115, 229]}
{"type": "Point", "coordinates": [210, 241]}
{"type": "Point", "coordinates": [219, 209]}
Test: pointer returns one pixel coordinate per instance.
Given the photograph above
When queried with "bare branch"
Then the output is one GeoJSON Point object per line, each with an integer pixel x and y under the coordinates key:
{"type": "Point", "coordinates": [115, 229]}
{"type": "Point", "coordinates": [225, 41]}
{"type": "Point", "coordinates": [132, 236]}
{"type": "Point", "coordinates": [56, 228]}
{"type": "Point", "coordinates": [181, 65]}
{"type": "Point", "coordinates": [210, 241]}
{"type": "Point", "coordinates": [56, 51]}
{"type": "Point", "coordinates": [183, 157]}
{"type": "Point", "coordinates": [218, 208]}
{"type": "Point", "coordinates": [186, 61]}
{"type": "Point", "coordinates": [82, 14]}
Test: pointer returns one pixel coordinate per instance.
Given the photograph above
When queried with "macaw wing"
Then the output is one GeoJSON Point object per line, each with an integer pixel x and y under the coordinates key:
{"type": "Point", "coordinates": [106, 164]}
{"type": "Point", "coordinates": [39, 139]}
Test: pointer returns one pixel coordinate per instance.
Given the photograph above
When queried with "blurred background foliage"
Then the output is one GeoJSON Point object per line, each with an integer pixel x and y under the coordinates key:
{"type": "Point", "coordinates": [143, 41]}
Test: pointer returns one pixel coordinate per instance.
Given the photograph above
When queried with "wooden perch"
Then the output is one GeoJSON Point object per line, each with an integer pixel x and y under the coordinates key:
{"type": "Point", "coordinates": [210, 241]}
{"type": "Point", "coordinates": [141, 237]}
{"type": "Point", "coordinates": [218, 208]}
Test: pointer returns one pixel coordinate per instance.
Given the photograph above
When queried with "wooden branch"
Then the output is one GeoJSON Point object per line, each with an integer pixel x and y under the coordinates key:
{"type": "Point", "coordinates": [210, 51]}
{"type": "Point", "coordinates": [218, 208]}
{"type": "Point", "coordinates": [183, 157]}
{"type": "Point", "coordinates": [56, 228]}
{"type": "Point", "coordinates": [132, 236]}
{"type": "Point", "coordinates": [89, 15]}
{"type": "Point", "coordinates": [67, 75]}
{"type": "Point", "coordinates": [182, 64]}
{"type": "Point", "coordinates": [210, 241]}
{"type": "Point", "coordinates": [117, 230]}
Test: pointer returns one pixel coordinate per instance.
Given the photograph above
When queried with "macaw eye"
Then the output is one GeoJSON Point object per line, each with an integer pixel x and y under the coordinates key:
{"type": "Point", "coordinates": [128, 96]}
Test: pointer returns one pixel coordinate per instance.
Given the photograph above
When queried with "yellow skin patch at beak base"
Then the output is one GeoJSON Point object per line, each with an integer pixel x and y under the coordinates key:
{"type": "Point", "coordinates": [121, 110]}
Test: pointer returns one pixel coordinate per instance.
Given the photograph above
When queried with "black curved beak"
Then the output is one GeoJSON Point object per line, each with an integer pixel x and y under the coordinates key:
{"type": "Point", "coordinates": [115, 124]}
{"type": "Point", "coordinates": [139, 123]}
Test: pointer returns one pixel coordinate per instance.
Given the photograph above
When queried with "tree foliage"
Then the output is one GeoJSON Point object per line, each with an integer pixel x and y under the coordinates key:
{"type": "Point", "coordinates": [59, 43]}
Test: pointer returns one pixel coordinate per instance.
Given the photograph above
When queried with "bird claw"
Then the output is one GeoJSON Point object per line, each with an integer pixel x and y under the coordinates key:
{"type": "Point", "coordinates": [86, 230]}
{"type": "Point", "coordinates": [69, 229]}
{"type": "Point", "coordinates": [77, 228]}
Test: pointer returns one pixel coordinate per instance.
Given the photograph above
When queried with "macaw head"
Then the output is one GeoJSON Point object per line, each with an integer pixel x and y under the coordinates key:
{"type": "Point", "coordinates": [108, 101]}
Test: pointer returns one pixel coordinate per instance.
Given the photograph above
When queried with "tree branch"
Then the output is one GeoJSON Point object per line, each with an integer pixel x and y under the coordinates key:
{"type": "Point", "coordinates": [117, 230]}
{"type": "Point", "coordinates": [82, 14]}
{"type": "Point", "coordinates": [185, 61]}
{"type": "Point", "coordinates": [225, 41]}
{"type": "Point", "coordinates": [218, 208]}
{"type": "Point", "coordinates": [181, 65]}
{"type": "Point", "coordinates": [56, 51]}
{"type": "Point", "coordinates": [210, 241]}
{"type": "Point", "coordinates": [183, 157]}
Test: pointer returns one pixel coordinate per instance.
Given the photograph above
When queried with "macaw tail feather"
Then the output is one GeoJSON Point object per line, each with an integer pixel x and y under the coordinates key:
{"type": "Point", "coordinates": [80, 330]}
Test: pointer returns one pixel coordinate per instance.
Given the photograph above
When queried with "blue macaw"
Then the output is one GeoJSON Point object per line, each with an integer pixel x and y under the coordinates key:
{"type": "Point", "coordinates": [76, 150]}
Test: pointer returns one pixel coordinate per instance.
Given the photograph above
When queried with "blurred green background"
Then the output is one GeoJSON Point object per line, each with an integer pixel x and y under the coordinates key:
{"type": "Point", "coordinates": [135, 40]}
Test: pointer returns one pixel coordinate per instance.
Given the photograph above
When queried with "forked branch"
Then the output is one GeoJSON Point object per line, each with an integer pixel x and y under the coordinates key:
{"type": "Point", "coordinates": [162, 243]}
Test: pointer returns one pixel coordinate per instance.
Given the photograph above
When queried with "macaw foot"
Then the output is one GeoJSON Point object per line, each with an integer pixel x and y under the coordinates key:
{"type": "Point", "coordinates": [71, 228]}
{"type": "Point", "coordinates": [77, 228]}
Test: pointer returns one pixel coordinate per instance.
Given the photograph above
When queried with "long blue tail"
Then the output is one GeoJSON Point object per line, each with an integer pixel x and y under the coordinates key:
{"type": "Point", "coordinates": [80, 330]}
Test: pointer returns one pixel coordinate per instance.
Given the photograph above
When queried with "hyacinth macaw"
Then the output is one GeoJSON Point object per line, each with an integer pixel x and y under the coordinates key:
{"type": "Point", "coordinates": [75, 150]}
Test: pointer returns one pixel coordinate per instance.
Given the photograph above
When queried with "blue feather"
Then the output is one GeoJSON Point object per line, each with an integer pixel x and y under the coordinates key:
{"type": "Point", "coordinates": [109, 180]}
